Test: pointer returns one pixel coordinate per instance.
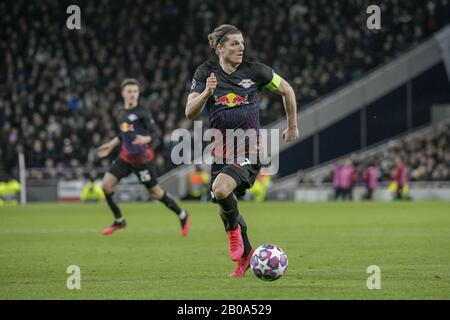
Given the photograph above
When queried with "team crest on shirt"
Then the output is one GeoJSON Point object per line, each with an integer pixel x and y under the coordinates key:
{"type": "Point", "coordinates": [132, 117]}
{"type": "Point", "coordinates": [246, 83]}
{"type": "Point", "coordinates": [125, 127]}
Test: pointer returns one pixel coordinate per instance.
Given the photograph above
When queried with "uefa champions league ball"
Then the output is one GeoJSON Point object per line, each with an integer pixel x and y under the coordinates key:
{"type": "Point", "coordinates": [269, 262]}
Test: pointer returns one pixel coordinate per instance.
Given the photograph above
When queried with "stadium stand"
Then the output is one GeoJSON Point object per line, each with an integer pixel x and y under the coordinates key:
{"type": "Point", "coordinates": [427, 157]}
{"type": "Point", "coordinates": [425, 152]}
{"type": "Point", "coordinates": [59, 87]}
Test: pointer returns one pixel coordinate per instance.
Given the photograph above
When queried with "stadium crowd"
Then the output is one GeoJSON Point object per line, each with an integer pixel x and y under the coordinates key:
{"type": "Point", "coordinates": [60, 88]}
{"type": "Point", "coordinates": [425, 158]}
{"type": "Point", "coordinates": [428, 158]}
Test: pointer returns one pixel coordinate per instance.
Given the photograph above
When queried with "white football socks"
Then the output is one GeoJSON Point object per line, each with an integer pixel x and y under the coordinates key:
{"type": "Point", "coordinates": [182, 215]}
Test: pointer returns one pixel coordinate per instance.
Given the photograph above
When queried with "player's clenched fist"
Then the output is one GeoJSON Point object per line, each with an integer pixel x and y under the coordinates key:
{"type": "Point", "coordinates": [290, 134]}
{"type": "Point", "coordinates": [211, 84]}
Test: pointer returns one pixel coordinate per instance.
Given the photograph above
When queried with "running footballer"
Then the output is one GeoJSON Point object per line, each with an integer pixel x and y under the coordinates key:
{"type": "Point", "coordinates": [137, 137]}
{"type": "Point", "coordinates": [229, 87]}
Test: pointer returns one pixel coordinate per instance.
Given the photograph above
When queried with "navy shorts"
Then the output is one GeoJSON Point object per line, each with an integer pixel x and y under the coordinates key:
{"type": "Point", "coordinates": [244, 176]}
{"type": "Point", "coordinates": [145, 172]}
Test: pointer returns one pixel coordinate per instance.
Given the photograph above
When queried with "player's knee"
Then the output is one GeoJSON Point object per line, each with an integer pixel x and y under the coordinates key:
{"type": "Point", "coordinates": [221, 191]}
{"type": "Point", "coordinates": [107, 189]}
{"type": "Point", "coordinates": [156, 193]}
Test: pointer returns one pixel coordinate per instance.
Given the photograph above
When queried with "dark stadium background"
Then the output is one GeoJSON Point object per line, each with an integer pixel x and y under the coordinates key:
{"type": "Point", "coordinates": [59, 87]}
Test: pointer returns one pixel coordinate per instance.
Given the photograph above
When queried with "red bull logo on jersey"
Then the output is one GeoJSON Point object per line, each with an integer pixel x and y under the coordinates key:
{"type": "Point", "coordinates": [125, 127]}
{"type": "Point", "coordinates": [231, 100]}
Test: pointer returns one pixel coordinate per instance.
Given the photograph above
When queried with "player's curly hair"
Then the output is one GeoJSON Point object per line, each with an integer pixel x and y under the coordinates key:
{"type": "Point", "coordinates": [219, 35]}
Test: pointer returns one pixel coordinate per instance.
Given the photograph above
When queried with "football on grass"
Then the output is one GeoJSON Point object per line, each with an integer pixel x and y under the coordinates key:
{"type": "Point", "coordinates": [269, 262]}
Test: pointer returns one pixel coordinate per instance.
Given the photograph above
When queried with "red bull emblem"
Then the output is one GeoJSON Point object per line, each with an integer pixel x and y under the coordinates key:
{"type": "Point", "coordinates": [125, 127]}
{"type": "Point", "coordinates": [231, 100]}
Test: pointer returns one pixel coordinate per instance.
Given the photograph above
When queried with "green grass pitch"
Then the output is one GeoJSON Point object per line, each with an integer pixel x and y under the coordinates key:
{"type": "Point", "coordinates": [329, 246]}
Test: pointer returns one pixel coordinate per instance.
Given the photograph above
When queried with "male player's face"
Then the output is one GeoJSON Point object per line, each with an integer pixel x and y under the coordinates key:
{"type": "Point", "coordinates": [232, 49]}
{"type": "Point", "coordinates": [130, 94]}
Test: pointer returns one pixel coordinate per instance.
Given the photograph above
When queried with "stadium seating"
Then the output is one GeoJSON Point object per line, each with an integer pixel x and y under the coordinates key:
{"type": "Point", "coordinates": [60, 87]}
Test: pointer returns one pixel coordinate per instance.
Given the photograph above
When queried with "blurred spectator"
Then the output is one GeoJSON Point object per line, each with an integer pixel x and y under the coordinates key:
{"type": "Point", "coordinates": [302, 178]}
{"type": "Point", "coordinates": [198, 184]}
{"type": "Point", "coordinates": [400, 176]}
{"type": "Point", "coordinates": [371, 179]}
{"type": "Point", "coordinates": [92, 192]}
{"type": "Point", "coordinates": [338, 192]}
{"type": "Point", "coordinates": [9, 190]}
{"type": "Point", "coordinates": [259, 188]}
{"type": "Point", "coordinates": [36, 156]}
{"type": "Point", "coordinates": [347, 178]}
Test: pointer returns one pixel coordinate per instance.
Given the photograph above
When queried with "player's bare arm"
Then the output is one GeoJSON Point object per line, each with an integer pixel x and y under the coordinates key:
{"type": "Point", "coordinates": [196, 101]}
{"type": "Point", "coordinates": [139, 139]}
{"type": "Point", "coordinates": [105, 149]}
{"type": "Point", "coordinates": [290, 106]}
